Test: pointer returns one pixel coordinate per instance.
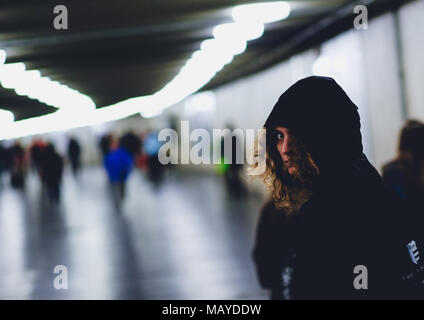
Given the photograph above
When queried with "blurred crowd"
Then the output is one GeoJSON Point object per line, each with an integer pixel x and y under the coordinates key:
{"type": "Point", "coordinates": [120, 155]}
{"type": "Point", "coordinates": [40, 156]}
{"type": "Point", "coordinates": [404, 175]}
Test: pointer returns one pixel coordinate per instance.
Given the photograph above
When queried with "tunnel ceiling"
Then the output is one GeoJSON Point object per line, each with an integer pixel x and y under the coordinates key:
{"type": "Point", "coordinates": [114, 50]}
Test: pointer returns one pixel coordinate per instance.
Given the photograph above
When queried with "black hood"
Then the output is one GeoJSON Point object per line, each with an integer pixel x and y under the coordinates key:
{"type": "Point", "coordinates": [318, 111]}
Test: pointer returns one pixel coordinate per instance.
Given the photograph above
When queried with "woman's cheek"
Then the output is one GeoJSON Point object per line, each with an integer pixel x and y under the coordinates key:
{"type": "Point", "coordinates": [280, 149]}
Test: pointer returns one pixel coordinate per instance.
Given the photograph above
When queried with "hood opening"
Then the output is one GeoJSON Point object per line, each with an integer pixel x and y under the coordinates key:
{"type": "Point", "coordinates": [319, 112]}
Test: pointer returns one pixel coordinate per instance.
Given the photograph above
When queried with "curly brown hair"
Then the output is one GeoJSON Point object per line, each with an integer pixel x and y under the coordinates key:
{"type": "Point", "coordinates": [289, 192]}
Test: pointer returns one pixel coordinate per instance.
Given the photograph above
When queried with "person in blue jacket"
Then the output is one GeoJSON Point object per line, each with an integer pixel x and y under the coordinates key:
{"type": "Point", "coordinates": [119, 164]}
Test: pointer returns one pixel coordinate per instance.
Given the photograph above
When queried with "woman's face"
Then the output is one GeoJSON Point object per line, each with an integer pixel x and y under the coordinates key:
{"type": "Point", "coordinates": [283, 146]}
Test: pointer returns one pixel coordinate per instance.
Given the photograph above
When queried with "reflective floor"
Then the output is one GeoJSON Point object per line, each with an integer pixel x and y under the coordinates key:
{"type": "Point", "coordinates": [185, 239]}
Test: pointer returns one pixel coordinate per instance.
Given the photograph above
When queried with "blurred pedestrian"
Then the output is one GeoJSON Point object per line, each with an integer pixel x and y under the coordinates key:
{"type": "Point", "coordinates": [74, 155]}
{"type": "Point", "coordinates": [405, 174]}
{"type": "Point", "coordinates": [105, 144]}
{"type": "Point", "coordinates": [36, 151]}
{"type": "Point", "coordinates": [3, 162]}
{"type": "Point", "coordinates": [51, 172]}
{"type": "Point", "coordinates": [118, 164]}
{"type": "Point", "coordinates": [131, 142]}
{"type": "Point", "coordinates": [18, 165]}
{"type": "Point", "coordinates": [151, 146]}
{"type": "Point", "coordinates": [230, 155]}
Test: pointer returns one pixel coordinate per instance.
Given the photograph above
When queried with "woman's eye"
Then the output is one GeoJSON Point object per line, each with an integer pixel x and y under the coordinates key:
{"type": "Point", "coordinates": [280, 136]}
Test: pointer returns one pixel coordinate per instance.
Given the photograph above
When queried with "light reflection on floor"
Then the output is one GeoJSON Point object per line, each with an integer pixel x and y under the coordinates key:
{"type": "Point", "coordinates": [185, 239]}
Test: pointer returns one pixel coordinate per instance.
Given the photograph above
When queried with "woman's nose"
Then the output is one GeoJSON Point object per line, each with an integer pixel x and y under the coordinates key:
{"type": "Point", "coordinates": [285, 147]}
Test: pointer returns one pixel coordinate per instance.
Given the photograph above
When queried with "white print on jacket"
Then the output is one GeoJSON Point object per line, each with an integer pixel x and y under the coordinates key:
{"type": "Point", "coordinates": [413, 251]}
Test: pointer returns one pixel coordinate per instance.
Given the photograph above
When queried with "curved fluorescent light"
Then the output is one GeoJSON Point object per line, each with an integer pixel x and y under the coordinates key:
{"type": "Point", "coordinates": [26, 83]}
{"type": "Point", "coordinates": [6, 118]}
{"type": "Point", "coordinates": [31, 84]}
{"type": "Point", "coordinates": [261, 12]}
{"type": "Point", "coordinates": [243, 31]}
{"type": "Point", "coordinates": [229, 40]}
{"type": "Point", "coordinates": [2, 56]}
{"type": "Point", "coordinates": [213, 49]}
{"type": "Point", "coordinates": [10, 74]}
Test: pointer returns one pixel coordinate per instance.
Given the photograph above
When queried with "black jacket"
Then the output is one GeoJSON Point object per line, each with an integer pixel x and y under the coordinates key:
{"type": "Point", "coordinates": [350, 220]}
{"type": "Point", "coordinates": [409, 191]}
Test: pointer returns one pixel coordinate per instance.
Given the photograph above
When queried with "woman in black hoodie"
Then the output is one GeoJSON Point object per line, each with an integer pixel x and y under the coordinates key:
{"type": "Point", "coordinates": [330, 219]}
